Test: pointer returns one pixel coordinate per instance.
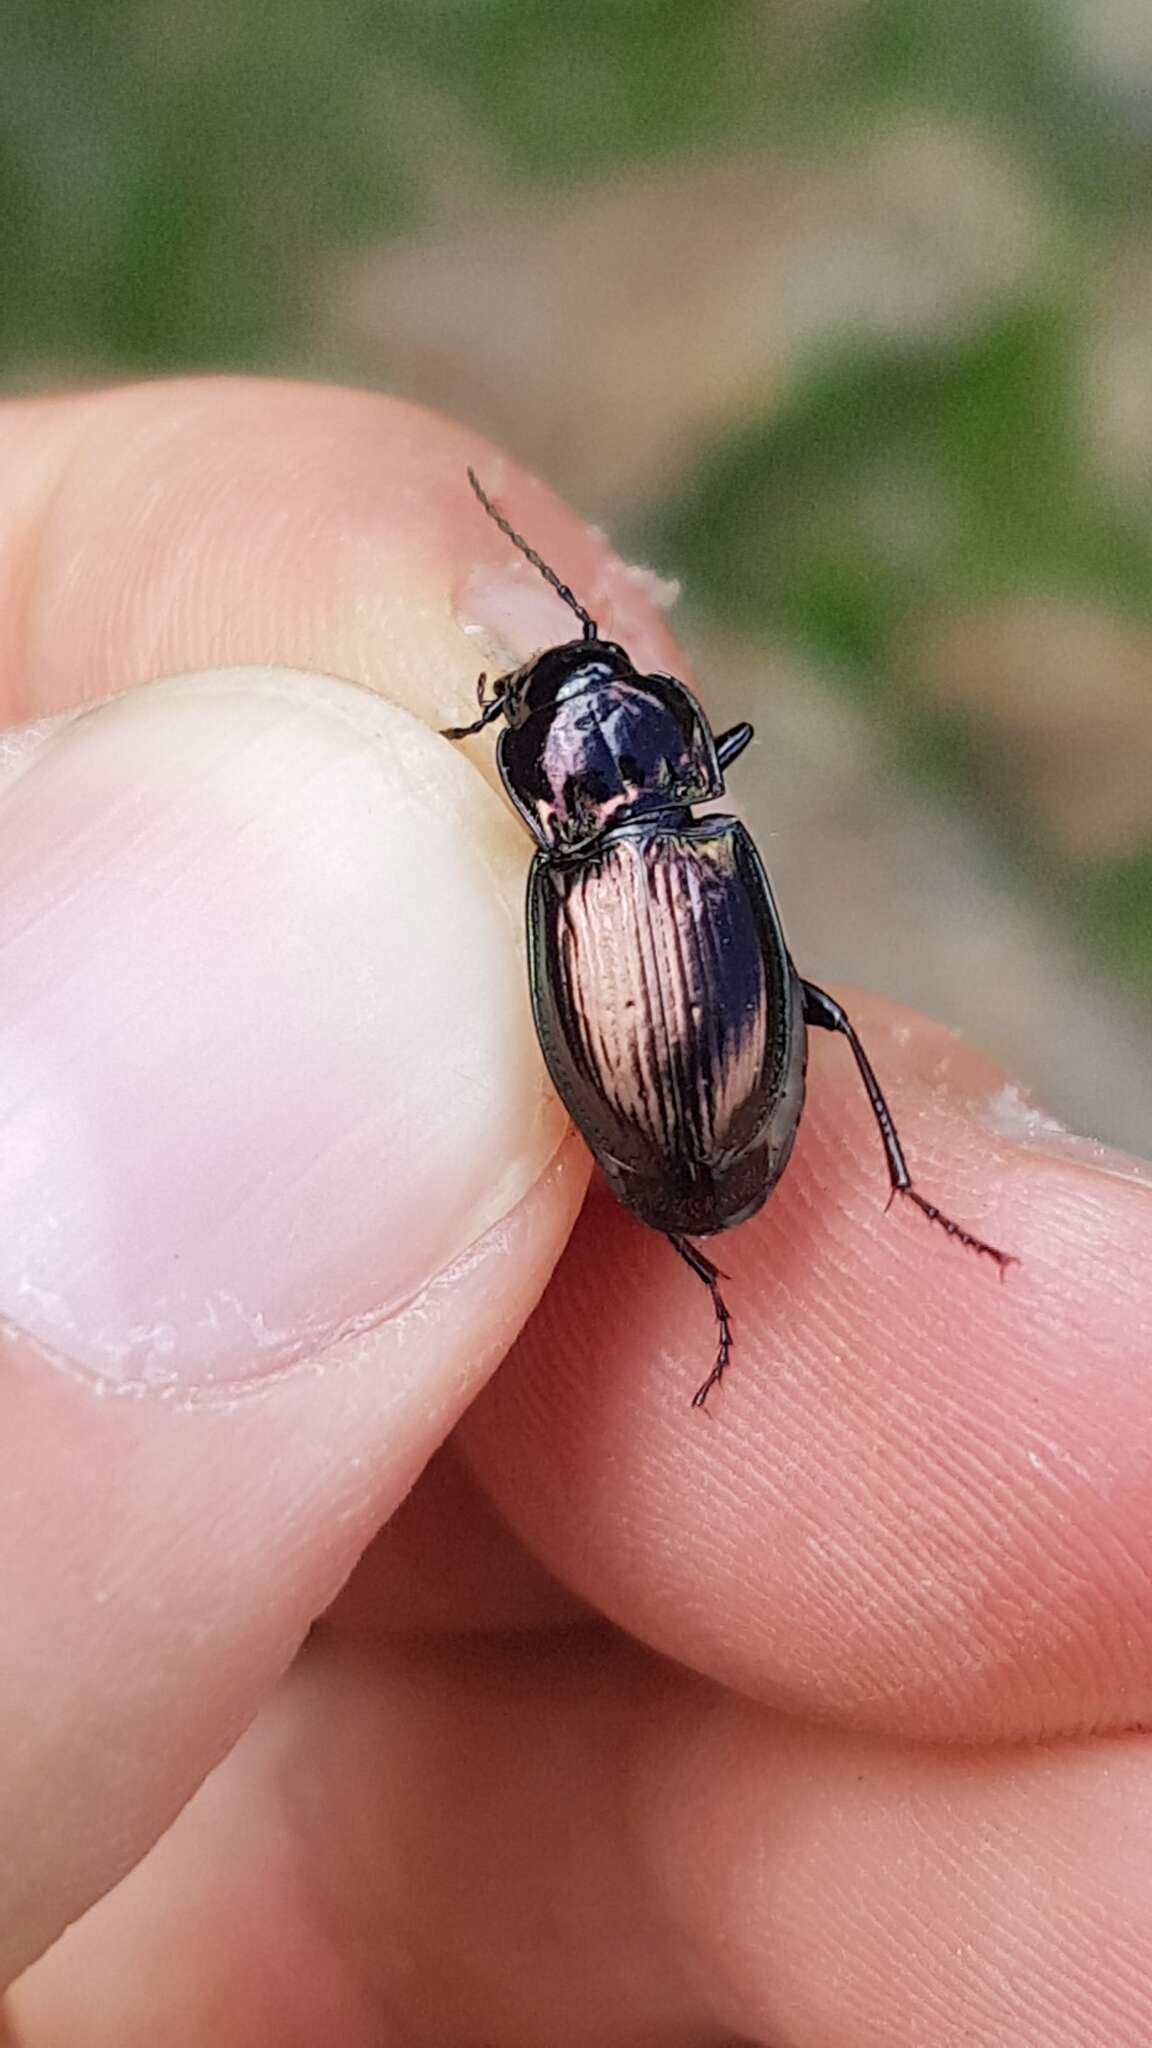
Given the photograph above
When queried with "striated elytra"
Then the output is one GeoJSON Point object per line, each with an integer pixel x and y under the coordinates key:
{"type": "Point", "coordinates": [671, 1018]}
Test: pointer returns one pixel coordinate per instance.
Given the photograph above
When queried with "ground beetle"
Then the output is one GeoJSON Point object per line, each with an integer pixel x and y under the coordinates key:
{"type": "Point", "coordinates": [672, 1020]}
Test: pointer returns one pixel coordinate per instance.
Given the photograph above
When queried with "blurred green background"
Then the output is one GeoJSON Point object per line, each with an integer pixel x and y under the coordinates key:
{"type": "Point", "coordinates": [839, 311]}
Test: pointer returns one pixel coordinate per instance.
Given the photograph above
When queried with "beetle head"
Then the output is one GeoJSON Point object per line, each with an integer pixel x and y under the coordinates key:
{"type": "Point", "coordinates": [560, 673]}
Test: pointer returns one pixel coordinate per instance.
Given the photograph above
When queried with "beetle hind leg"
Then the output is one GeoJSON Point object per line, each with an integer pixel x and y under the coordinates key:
{"type": "Point", "coordinates": [825, 1013]}
{"type": "Point", "coordinates": [710, 1275]}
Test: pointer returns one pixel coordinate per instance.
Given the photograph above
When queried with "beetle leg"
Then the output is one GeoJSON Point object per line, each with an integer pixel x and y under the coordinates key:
{"type": "Point", "coordinates": [731, 744]}
{"type": "Point", "coordinates": [490, 710]}
{"type": "Point", "coordinates": [710, 1275]}
{"type": "Point", "coordinates": [498, 688]}
{"type": "Point", "coordinates": [823, 1012]}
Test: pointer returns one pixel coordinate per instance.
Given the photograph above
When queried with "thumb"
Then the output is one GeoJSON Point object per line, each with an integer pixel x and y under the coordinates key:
{"type": "Point", "coordinates": [279, 1181]}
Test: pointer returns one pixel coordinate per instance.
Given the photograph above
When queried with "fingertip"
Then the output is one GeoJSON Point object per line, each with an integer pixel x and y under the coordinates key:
{"type": "Point", "coordinates": [912, 1509]}
{"type": "Point", "coordinates": [159, 528]}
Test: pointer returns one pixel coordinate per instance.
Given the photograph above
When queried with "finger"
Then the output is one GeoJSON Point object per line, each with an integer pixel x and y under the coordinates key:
{"type": "Point", "coordinates": [917, 1503]}
{"type": "Point", "coordinates": [446, 1562]}
{"type": "Point", "coordinates": [219, 522]}
{"type": "Point", "coordinates": [561, 1841]}
{"type": "Point", "coordinates": [272, 1128]}
{"type": "Point", "coordinates": [277, 1180]}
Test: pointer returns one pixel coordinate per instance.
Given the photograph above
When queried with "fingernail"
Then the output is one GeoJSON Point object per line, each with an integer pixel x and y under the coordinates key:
{"type": "Point", "coordinates": [266, 1057]}
{"type": "Point", "coordinates": [512, 616]}
{"type": "Point", "coordinates": [514, 613]}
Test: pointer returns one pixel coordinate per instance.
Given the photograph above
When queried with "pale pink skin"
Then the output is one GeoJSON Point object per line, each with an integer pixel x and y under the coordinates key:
{"type": "Point", "coordinates": [807, 1722]}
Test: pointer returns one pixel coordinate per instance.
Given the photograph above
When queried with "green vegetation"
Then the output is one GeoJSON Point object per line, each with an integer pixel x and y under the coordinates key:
{"type": "Point", "coordinates": [172, 180]}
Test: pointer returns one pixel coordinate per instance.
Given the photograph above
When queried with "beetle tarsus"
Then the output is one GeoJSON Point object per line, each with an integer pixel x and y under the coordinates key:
{"type": "Point", "coordinates": [710, 1275]}
{"type": "Point", "coordinates": [490, 708]}
{"type": "Point", "coordinates": [956, 1230]}
{"type": "Point", "coordinates": [824, 1013]}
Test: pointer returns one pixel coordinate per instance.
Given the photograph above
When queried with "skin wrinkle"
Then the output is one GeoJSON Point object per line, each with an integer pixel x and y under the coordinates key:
{"type": "Point", "coordinates": [966, 1523]}
{"type": "Point", "coordinates": [833, 1497]}
{"type": "Point", "coordinates": [971, 1520]}
{"type": "Point", "coordinates": [36, 519]}
{"type": "Point", "coordinates": [187, 577]}
{"type": "Point", "coordinates": [938, 2007]}
{"type": "Point", "coordinates": [1029, 1912]}
{"type": "Point", "coordinates": [994, 1917]}
{"type": "Point", "coordinates": [642, 1737]}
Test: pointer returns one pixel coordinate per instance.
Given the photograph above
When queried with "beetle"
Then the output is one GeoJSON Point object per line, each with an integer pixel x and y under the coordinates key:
{"type": "Point", "coordinates": [671, 1017]}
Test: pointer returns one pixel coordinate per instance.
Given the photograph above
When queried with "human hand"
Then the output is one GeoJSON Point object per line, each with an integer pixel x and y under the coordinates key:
{"type": "Point", "coordinates": [807, 1720]}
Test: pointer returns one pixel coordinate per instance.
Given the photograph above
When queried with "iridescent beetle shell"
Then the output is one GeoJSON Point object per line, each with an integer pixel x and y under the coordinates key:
{"type": "Point", "coordinates": [589, 744]}
{"type": "Point", "coordinates": [672, 1020]}
{"type": "Point", "coordinates": [668, 1019]}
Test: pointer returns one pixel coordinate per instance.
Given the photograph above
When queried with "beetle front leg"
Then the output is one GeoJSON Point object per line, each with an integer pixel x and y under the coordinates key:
{"type": "Point", "coordinates": [823, 1012]}
{"type": "Point", "coordinates": [731, 744]}
{"type": "Point", "coordinates": [490, 708]}
{"type": "Point", "coordinates": [710, 1275]}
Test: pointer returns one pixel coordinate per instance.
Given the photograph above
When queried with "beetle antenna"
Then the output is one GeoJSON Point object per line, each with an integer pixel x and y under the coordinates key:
{"type": "Point", "coordinates": [537, 561]}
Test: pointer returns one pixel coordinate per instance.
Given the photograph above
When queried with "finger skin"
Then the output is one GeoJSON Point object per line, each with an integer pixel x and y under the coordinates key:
{"type": "Point", "coordinates": [164, 1563]}
{"type": "Point", "coordinates": [919, 1501]}
{"type": "Point", "coordinates": [163, 1557]}
{"type": "Point", "coordinates": [212, 522]}
{"type": "Point", "coordinates": [558, 1839]}
{"type": "Point", "coordinates": [445, 1564]}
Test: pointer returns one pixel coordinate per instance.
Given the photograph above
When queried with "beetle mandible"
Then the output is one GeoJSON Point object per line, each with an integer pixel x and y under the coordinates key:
{"type": "Point", "coordinates": [671, 1017]}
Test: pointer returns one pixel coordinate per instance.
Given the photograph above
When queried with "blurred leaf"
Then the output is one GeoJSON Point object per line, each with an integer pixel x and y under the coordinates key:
{"type": "Point", "coordinates": [173, 179]}
{"type": "Point", "coordinates": [586, 91]}
{"type": "Point", "coordinates": [1015, 63]}
{"type": "Point", "coordinates": [1110, 904]}
{"type": "Point", "coordinates": [894, 479]}
{"type": "Point", "coordinates": [166, 181]}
